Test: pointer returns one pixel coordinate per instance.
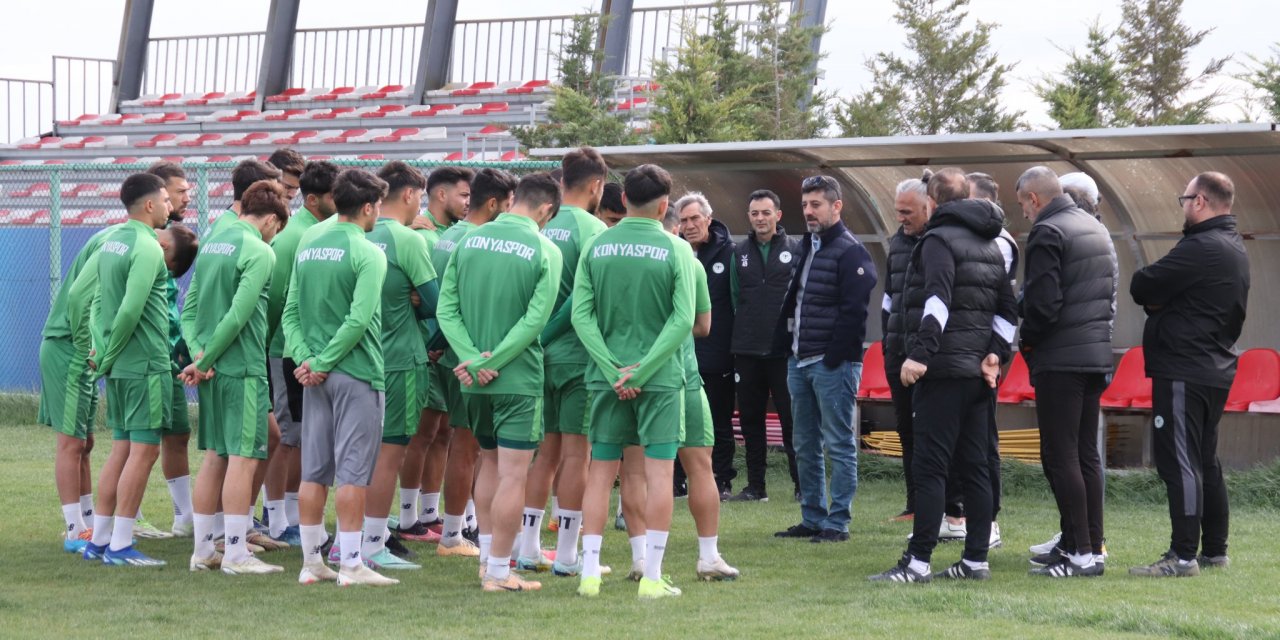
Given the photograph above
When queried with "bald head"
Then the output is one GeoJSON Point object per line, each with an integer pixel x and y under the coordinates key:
{"type": "Point", "coordinates": [1035, 188]}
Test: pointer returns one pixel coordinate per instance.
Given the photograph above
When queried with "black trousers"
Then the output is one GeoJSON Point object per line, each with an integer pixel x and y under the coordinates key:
{"type": "Point", "coordinates": [993, 461]}
{"type": "Point", "coordinates": [1067, 412]}
{"type": "Point", "coordinates": [759, 378]}
{"type": "Point", "coordinates": [952, 428]}
{"type": "Point", "coordinates": [906, 434]}
{"type": "Point", "coordinates": [1185, 427]}
{"type": "Point", "coordinates": [720, 395]}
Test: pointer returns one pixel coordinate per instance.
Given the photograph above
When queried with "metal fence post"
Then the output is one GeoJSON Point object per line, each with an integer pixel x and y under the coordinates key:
{"type": "Point", "coordinates": [55, 232]}
{"type": "Point", "coordinates": [202, 197]}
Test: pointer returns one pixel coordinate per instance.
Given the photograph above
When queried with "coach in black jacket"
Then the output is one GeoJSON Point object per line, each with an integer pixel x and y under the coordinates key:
{"type": "Point", "coordinates": [764, 263]}
{"type": "Point", "coordinates": [824, 320]}
{"type": "Point", "coordinates": [1195, 299]}
{"type": "Point", "coordinates": [1068, 312]}
{"type": "Point", "coordinates": [714, 248]}
{"type": "Point", "coordinates": [960, 315]}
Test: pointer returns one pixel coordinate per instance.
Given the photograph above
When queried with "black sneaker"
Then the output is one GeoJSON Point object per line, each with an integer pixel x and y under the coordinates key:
{"type": "Point", "coordinates": [726, 492]}
{"type": "Point", "coordinates": [830, 535]}
{"type": "Point", "coordinates": [798, 531]}
{"type": "Point", "coordinates": [751, 494]}
{"type": "Point", "coordinates": [901, 573]}
{"type": "Point", "coordinates": [1056, 555]}
{"type": "Point", "coordinates": [962, 571]}
{"type": "Point", "coordinates": [1065, 568]}
{"type": "Point", "coordinates": [680, 490]}
{"type": "Point", "coordinates": [1213, 562]}
{"type": "Point", "coordinates": [472, 534]}
{"type": "Point", "coordinates": [418, 532]}
{"type": "Point", "coordinates": [397, 548]}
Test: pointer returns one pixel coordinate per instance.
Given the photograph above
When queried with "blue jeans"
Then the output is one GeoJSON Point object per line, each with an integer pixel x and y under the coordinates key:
{"type": "Point", "coordinates": [822, 404]}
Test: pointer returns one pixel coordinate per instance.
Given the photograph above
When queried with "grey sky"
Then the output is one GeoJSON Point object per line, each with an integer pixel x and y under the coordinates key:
{"type": "Point", "coordinates": [1027, 33]}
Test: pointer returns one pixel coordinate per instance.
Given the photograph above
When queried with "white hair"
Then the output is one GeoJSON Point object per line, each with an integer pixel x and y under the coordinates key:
{"type": "Point", "coordinates": [694, 197]}
{"type": "Point", "coordinates": [912, 185]}
{"type": "Point", "coordinates": [1083, 182]}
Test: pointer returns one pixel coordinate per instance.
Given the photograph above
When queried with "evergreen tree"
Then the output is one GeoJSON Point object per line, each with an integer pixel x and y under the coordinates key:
{"type": "Point", "coordinates": [1153, 48]}
{"type": "Point", "coordinates": [1089, 92]}
{"type": "Point", "coordinates": [1264, 75]}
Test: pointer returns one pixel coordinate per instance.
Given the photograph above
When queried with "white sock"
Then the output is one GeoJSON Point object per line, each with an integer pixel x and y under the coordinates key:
{"type": "Point", "coordinates": [567, 537]}
{"type": "Point", "coordinates": [121, 533]}
{"type": "Point", "coordinates": [102, 530]}
{"type": "Point", "coordinates": [349, 542]}
{"type": "Point", "coordinates": [291, 508]}
{"type": "Point", "coordinates": [555, 506]}
{"type": "Point", "coordinates": [709, 548]}
{"type": "Point", "coordinates": [75, 521]}
{"type": "Point", "coordinates": [470, 514]}
{"type": "Point", "coordinates": [180, 493]}
{"type": "Point", "coordinates": [430, 505]}
{"type": "Point", "coordinates": [219, 525]}
{"type": "Point", "coordinates": [139, 516]}
{"type": "Point", "coordinates": [203, 525]}
{"type": "Point", "coordinates": [277, 521]}
{"type": "Point", "coordinates": [1098, 557]}
{"type": "Point", "coordinates": [655, 546]}
{"type": "Point", "coordinates": [374, 537]}
{"type": "Point", "coordinates": [86, 506]}
{"type": "Point", "coordinates": [975, 565]}
{"type": "Point", "coordinates": [637, 549]}
{"type": "Point", "coordinates": [451, 533]}
{"type": "Point", "coordinates": [530, 533]}
{"type": "Point", "coordinates": [313, 537]}
{"type": "Point", "coordinates": [408, 507]}
{"type": "Point", "coordinates": [499, 568]}
{"type": "Point", "coordinates": [486, 543]}
{"type": "Point", "coordinates": [1083, 560]}
{"type": "Point", "coordinates": [590, 555]}
{"type": "Point", "coordinates": [918, 566]}
{"type": "Point", "coordinates": [237, 532]}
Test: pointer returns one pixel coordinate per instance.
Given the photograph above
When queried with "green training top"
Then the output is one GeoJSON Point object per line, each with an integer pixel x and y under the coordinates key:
{"type": "Point", "coordinates": [337, 288]}
{"type": "Point", "coordinates": [130, 309]}
{"type": "Point", "coordinates": [58, 324]}
{"type": "Point", "coordinates": [408, 269]}
{"type": "Point", "coordinates": [179, 355]}
{"type": "Point", "coordinates": [444, 247]}
{"type": "Point", "coordinates": [569, 230]}
{"type": "Point", "coordinates": [220, 223]}
{"type": "Point", "coordinates": [285, 246]}
{"type": "Point", "coordinates": [701, 304]}
{"type": "Point", "coordinates": [498, 292]}
{"type": "Point", "coordinates": [226, 311]}
{"type": "Point", "coordinates": [633, 305]}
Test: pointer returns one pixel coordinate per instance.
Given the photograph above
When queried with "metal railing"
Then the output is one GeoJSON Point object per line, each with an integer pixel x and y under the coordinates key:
{"type": "Point", "coordinates": [360, 56]}
{"type": "Point", "coordinates": [81, 85]}
{"type": "Point", "coordinates": [217, 62]}
{"type": "Point", "coordinates": [26, 106]}
{"type": "Point", "coordinates": [656, 32]}
{"type": "Point", "coordinates": [509, 49]}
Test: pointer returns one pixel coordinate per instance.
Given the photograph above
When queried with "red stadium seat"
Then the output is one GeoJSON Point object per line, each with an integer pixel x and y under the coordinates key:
{"type": "Point", "coordinates": [249, 138]}
{"type": "Point", "coordinates": [159, 102]}
{"type": "Point", "coordinates": [1130, 387]}
{"type": "Point", "coordinates": [1016, 386]}
{"type": "Point", "coordinates": [287, 95]}
{"type": "Point", "coordinates": [286, 114]}
{"type": "Point", "coordinates": [204, 99]}
{"type": "Point", "coordinates": [371, 156]}
{"type": "Point", "coordinates": [337, 93]}
{"type": "Point", "coordinates": [201, 139]}
{"type": "Point", "coordinates": [349, 133]}
{"type": "Point", "coordinates": [529, 87]}
{"type": "Point", "coordinates": [873, 385]}
{"type": "Point", "coordinates": [90, 141]}
{"type": "Point", "coordinates": [165, 118]}
{"type": "Point", "coordinates": [332, 113]}
{"type": "Point", "coordinates": [41, 143]}
{"type": "Point", "coordinates": [396, 135]}
{"type": "Point", "coordinates": [1257, 379]}
{"type": "Point", "coordinates": [474, 89]}
{"type": "Point", "coordinates": [512, 156]}
{"type": "Point", "coordinates": [456, 156]}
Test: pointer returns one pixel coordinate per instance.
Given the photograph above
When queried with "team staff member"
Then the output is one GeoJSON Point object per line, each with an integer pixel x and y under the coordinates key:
{"type": "Point", "coordinates": [764, 262]}
{"type": "Point", "coordinates": [711, 242]}
{"type": "Point", "coordinates": [337, 287]}
{"type": "Point", "coordinates": [632, 308]}
{"type": "Point", "coordinates": [1068, 311]}
{"type": "Point", "coordinates": [960, 314]}
{"type": "Point", "coordinates": [1195, 298]}
{"type": "Point", "coordinates": [226, 321]}
{"type": "Point", "coordinates": [499, 290]}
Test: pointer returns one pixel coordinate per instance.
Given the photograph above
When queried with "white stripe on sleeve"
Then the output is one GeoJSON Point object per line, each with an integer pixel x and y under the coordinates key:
{"type": "Point", "coordinates": [935, 307]}
{"type": "Point", "coordinates": [887, 304]}
{"type": "Point", "coordinates": [1004, 328]}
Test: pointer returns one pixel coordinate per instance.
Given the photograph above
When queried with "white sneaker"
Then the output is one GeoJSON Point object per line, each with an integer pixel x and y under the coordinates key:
{"type": "Point", "coordinates": [948, 531]}
{"type": "Point", "coordinates": [715, 571]}
{"type": "Point", "coordinates": [211, 563]}
{"type": "Point", "coordinates": [250, 566]}
{"type": "Point", "coordinates": [995, 536]}
{"type": "Point", "coordinates": [1047, 546]}
{"type": "Point", "coordinates": [183, 529]}
{"type": "Point", "coordinates": [313, 572]}
{"type": "Point", "coordinates": [361, 574]}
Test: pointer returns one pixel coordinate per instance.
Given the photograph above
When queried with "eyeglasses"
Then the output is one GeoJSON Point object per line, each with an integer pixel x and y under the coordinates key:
{"type": "Point", "coordinates": [1182, 200]}
{"type": "Point", "coordinates": [818, 182]}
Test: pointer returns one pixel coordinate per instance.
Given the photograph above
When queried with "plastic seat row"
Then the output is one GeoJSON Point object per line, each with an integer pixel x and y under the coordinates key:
{"type": "Point", "coordinates": [306, 136]}
{"type": "Point", "coordinates": [274, 115]}
{"type": "Point", "coordinates": [371, 92]}
{"type": "Point", "coordinates": [1257, 382]}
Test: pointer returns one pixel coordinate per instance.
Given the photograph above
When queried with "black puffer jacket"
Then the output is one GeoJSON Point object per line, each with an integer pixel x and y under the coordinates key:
{"type": "Point", "coordinates": [716, 255]}
{"type": "Point", "coordinates": [762, 286]}
{"type": "Point", "coordinates": [1069, 299]}
{"type": "Point", "coordinates": [1195, 298]}
{"type": "Point", "coordinates": [893, 317]}
{"type": "Point", "coordinates": [956, 287]}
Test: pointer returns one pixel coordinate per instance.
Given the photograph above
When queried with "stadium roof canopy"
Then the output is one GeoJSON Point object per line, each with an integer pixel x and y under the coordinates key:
{"type": "Point", "coordinates": [1139, 171]}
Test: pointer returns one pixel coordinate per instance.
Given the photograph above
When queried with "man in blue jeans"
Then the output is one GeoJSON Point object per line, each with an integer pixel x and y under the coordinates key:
{"type": "Point", "coordinates": [823, 321]}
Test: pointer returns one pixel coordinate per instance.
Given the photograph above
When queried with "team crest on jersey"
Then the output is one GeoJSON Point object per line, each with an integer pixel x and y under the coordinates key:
{"type": "Point", "coordinates": [718, 267]}
{"type": "Point", "coordinates": [744, 260]}
{"type": "Point", "coordinates": [784, 257]}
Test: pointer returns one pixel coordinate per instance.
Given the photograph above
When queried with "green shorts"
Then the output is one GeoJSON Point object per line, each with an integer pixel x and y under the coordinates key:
{"type": "Point", "coordinates": [454, 403]}
{"type": "Point", "coordinates": [505, 420]}
{"type": "Point", "coordinates": [138, 408]}
{"type": "Point", "coordinates": [698, 431]}
{"type": "Point", "coordinates": [437, 392]}
{"type": "Point", "coordinates": [568, 407]}
{"type": "Point", "coordinates": [405, 392]}
{"type": "Point", "coordinates": [179, 421]}
{"type": "Point", "coordinates": [68, 396]}
{"type": "Point", "coordinates": [654, 419]}
{"type": "Point", "coordinates": [233, 416]}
